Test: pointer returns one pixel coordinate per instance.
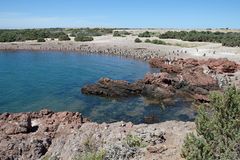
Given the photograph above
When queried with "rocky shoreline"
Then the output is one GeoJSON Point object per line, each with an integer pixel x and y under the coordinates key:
{"type": "Point", "coordinates": [68, 135]}
{"type": "Point", "coordinates": [197, 78]}
{"type": "Point", "coordinates": [170, 59]}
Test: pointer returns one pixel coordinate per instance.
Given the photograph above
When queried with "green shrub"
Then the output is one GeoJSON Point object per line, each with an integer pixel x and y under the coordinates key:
{"type": "Point", "coordinates": [100, 155]}
{"type": "Point", "coordinates": [41, 40]}
{"type": "Point", "coordinates": [125, 33]}
{"type": "Point", "coordinates": [148, 41]}
{"type": "Point", "coordinates": [218, 129]}
{"type": "Point", "coordinates": [134, 141]}
{"type": "Point", "coordinates": [137, 40]}
{"type": "Point", "coordinates": [120, 33]}
{"type": "Point", "coordinates": [48, 157]}
{"type": "Point", "coordinates": [156, 41]}
{"type": "Point", "coordinates": [144, 34]}
{"type": "Point", "coordinates": [83, 38]}
{"type": "Point", "coordinates": [63, 38]}
{"type": "Point", "coordinates": [72, 35]}
{"type": "Point", "coordinates": [57, 34]}
{"type": "Point", "coordinates": [116, 34]}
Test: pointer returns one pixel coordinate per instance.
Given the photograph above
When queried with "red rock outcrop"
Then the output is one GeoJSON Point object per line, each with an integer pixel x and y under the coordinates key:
{"type": "Point", "coordinates": [160, 85]}
{"type": "Point", "coordinates": [165, 65]}
{"type": "Point", "coordinates": [192, 72]}
{"type": "Point", "coordinates": [196, 77]}
{"type": "Point", "coordinates": [71, 137]}
{"type": "Point", "coordinates": [28, 135]}
{"type": "Point", "coordinates": [222, 65]}
{"type": "Point", "coordinates": [156, 85]}
{"type": "Point", "coordinates": [113, 88]}
{"type": "Point", "coordinates": [201, 98]}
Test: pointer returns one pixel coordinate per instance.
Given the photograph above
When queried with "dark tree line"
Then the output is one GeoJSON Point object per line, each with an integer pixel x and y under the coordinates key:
{"type": "Point", "coordinates": [13, 35]}
{"type": "Point", "coordinates": [230, 39]}
{"type": "Point", "coordinates": [29, 34]}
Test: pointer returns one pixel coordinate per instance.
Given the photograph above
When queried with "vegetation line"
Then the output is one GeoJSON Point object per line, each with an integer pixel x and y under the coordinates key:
{"type": "Point", "coordinates": [229, 39]}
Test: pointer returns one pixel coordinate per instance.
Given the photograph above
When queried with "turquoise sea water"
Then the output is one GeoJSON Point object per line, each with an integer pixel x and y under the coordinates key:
{"type": "Point", "coordinates": [30, 81]}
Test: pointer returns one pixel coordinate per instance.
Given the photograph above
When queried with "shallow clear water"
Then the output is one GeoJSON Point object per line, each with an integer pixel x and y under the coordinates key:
{"type": "Point", "coordinates": [30, 81]}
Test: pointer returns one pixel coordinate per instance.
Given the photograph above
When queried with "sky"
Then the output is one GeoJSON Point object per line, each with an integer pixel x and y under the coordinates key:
{"type": "Point", "coordinates": [120, 13]}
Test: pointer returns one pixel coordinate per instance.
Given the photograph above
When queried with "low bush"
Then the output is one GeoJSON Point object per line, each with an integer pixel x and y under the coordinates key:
{"type": "Point", "coordinates": [41, 40]}
{"type": "Point", "coordinates": [148, 41]}
{"type": "Point", "coordinates": [137, 40]}
{"type": "Point", "coordinates": [83, 38]}
{"type": "Point", "coordinates": [116, 34]}
{"type": "Point", "coordinates": [145, 34]}
{"type": "Point", "coordinates": [63, 38]}
{"type": "Point", "coordinates": [134, 141]}
{"type": "Point", "coordinates": [156, 41]}
{"type": "Point", "coordinates": [72, 35]}
{"type": "Point", "coordinates": [218, 129]}
{"type": "Point", "coordinates": [120, 33]}
{"type": "Point", "coordinates": [99, 155]}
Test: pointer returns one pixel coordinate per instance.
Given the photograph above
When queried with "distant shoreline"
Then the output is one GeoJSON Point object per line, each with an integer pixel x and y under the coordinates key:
{"type": "Point", "coordinates": [126, 47]}
{"type": "Point", "coordinates": [86, 47]}
{"type": "Point", "coordinates": [85, 51]}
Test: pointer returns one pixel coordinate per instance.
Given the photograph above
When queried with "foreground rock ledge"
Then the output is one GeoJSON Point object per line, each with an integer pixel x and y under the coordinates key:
{"type": "Point", "coordinates": [67, 135]}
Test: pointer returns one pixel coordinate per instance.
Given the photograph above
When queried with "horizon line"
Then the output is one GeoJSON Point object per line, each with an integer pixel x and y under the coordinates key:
{"type": "Point", "coordinates": [150, 28]}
